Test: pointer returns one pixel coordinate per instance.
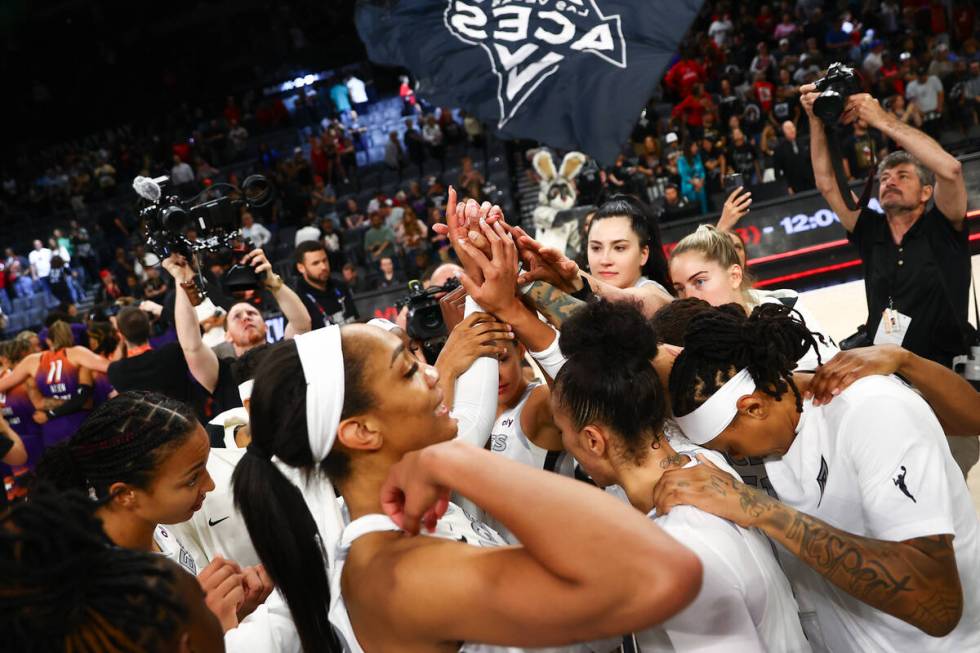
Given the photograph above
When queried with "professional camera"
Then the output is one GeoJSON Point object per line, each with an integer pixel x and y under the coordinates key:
{"type": "Point", "coordinates": [167, 220]}
{"type": "Point", "coordinates": [425, 322]}
{"type": "Point", "coordinates": [835, 87]}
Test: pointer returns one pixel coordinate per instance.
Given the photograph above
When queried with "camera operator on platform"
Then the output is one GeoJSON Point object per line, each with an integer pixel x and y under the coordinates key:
{"type": "Point", "coordinates": [327, 300]}
{"type": "Point", "coordinates": [916, 259]}
{"type": "Point", "coordinates": [245, 327]}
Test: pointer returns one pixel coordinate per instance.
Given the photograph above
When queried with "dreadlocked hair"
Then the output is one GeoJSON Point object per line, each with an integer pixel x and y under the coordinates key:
{"type": "Point", "coordinates": [123, 440]}
{"type": "Point", "coordinates": [608, 378]}
{"type": "Point", "coordinates": [647, 229]}
{"type": "Point", "coordinates": [672, 319]}
{"type": "Point", "coordinates": [279, 522]}
{"type": "Point", "coordinates": [64, 587]}
{"type": "Point", "coordinates": [721, 343]}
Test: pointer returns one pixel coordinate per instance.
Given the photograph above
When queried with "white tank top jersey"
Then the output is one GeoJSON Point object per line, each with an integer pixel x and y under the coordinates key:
{"type": "Point", "coordinates": [171, 548]}
{"type": "Point", "coordinates": [874, 462]}
{"type": "Point", "coordinates": [643, 281]}
{"type": "Point", "coordinates": [508, 439]}
{"type": "Point", "coordinates": [745, 603]}
{"type": "Point", "coordinates": [457, 525]}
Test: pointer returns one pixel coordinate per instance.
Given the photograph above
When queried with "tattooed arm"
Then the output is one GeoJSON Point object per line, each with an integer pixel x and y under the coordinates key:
{"type": "Point", "coordinates": [554, 304]}
{"type": "Point", "coordinates": [914, 580]}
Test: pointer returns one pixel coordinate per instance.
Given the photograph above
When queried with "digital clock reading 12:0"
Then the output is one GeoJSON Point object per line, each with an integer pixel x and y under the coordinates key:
{"type": "Point", "coordinates": [794, 224]}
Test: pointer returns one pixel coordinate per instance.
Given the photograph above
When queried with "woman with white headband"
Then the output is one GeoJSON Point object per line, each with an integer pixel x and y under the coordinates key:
{"type": "Point", "coordinates": [352, 406]}
{"type": "Point", "coordinates": [870, 500]}
{"type": "Point", "coordinates": [611, 419]}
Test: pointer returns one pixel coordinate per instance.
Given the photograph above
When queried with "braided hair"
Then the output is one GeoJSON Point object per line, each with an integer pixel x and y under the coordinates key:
{"type": "Point", "coordinates": [647, 229]}
{"type": "Point", "coordinates": [719, 343]}
{"type": "Point", "coordinates": [64, 587]}
{"type": "Point", "coordinates": [278, 521]}
{"type": "Point", "coordinates": [123, 440]}
{"type": "Point", "coordinates": [608, 378]}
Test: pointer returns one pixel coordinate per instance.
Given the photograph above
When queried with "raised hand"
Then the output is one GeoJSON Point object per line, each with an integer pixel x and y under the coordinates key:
{"type": "Point", "coordinates": [546, 264]}
{"type": "Point", "coordinates": [498, 289]}
{"type": "Point", "coordinates": [736, 206]}
{"type": "Point", "coordinates": [475, 336]}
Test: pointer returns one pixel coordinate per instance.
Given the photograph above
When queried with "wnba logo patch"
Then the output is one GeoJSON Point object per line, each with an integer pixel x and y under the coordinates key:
{"type": "Point", "coordinates": [530, 40]}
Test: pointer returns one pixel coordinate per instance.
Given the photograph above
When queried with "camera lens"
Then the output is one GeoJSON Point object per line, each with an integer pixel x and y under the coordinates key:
{"type": "Point", "coordinates": [175, 219]}
{"type": "Point", "coordinates": [828, 106]}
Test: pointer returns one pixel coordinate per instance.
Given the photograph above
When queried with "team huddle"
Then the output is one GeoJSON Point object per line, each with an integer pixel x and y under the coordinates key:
{"type": "Point", "coordinates": [366, 500]}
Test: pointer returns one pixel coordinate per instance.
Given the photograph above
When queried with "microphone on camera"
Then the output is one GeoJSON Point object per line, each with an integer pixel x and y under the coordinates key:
{"type": "Point", "coordinates": [148, 188]}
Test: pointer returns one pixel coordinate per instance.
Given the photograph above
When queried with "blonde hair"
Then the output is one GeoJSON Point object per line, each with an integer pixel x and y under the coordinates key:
{"type": "Point", "coordinates": [714, 246]}
{"type": "Point", "coordinates": [60, 335]}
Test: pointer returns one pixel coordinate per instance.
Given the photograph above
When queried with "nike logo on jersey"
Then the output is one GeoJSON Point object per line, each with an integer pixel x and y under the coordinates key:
{"type": "Point", "coordinates": [822, 478]}
{"type": "Point", "coordinates": [215, 522]}
{"type": "Point", "coordinates": [899, 482]}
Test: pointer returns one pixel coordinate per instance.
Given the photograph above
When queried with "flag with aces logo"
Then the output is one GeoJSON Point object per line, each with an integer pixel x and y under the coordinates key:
{"type": "Point", "coordinates": [574, 74]}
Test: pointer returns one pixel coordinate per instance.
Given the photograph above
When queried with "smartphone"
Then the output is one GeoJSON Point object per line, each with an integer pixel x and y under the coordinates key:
{"type": "Point", "coordinates": [733, 181]}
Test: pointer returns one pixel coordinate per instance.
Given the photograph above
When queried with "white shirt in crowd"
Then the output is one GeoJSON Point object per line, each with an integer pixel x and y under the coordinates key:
{"type": "Point", "coordinates": [874, 462]}
{"type": "Point", "coordinates": [257, 234]}
{"type": "Point", "coordinates": [719, 31]}
{"type": "Point", "coordinates": [181, 174]}
{"type": "Point", "coordinates": [309, 232]}
{"type": "Point", "coordinates": [357, 90]}
{"type": "Point", "coordinates": [41, 261]}
{"type": "Point", "coordinates": [925, 96]}
{"type": "Point", "coordinates": [745, 603]}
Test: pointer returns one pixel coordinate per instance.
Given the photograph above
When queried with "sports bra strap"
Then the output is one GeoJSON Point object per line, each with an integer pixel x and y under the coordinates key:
{"type": "Point", "coordinates": [365, 525]}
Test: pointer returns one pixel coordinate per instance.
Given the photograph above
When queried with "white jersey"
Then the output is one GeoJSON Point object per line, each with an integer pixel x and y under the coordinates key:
{"type": "Point", "coordinates": [827, 350]}
{"type": "Point", "coordinates": [170, 547]}
{"type": "Point", "coordinates": [457, 525]}
{"type": "Point", "coordinates": [874, 462]}
{"type": "Point", "coordinates": [508, 439]}
{"type": "Point", "coordinates": [218, 528]}
{"type": "Point", "coordinates": [745, 603]}
{"type": "Point", "coordinates": [643, 281]}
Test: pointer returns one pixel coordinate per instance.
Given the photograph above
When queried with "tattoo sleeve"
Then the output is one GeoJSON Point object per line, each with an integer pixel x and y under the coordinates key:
{"type": "Point", "coordinates": [915, 580]}
{"type": "Point", "coordinates": [554, 304]}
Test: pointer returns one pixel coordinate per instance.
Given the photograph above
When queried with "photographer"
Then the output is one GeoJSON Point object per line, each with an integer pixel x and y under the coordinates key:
{"type": "Point", "coordinates": [326, 300]}
{"type": "Point", "coordinates": [245, 327]}
{"type": "Point", "coordinates": [916, 261]}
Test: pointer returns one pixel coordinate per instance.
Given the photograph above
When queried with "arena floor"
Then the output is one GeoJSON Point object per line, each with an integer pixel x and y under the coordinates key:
{"type": "Point", "coordinates": [842, 308]}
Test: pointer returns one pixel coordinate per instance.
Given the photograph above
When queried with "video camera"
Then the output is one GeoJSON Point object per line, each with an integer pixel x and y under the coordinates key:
{"type": "Point", "coordinates": [425, 322]}
{"type": "Point", "coordinates": [166, 220]}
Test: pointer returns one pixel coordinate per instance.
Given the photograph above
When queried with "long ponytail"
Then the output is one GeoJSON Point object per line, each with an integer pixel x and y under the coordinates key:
{"type": "Point", "coordinates": [279, 522]}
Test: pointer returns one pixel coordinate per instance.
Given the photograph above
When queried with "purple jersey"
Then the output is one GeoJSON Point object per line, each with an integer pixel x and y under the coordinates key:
{"type": "Point", "coordinates": [57, 377]}
{"type": "Point", "coordinates": [18, 409]}
{"type": "Point", "coordinates": [101, 388]}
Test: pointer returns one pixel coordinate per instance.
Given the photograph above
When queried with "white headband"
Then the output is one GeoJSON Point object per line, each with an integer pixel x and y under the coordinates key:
{"type": "Point", "coordinates": [709, 419]}
{"type": "Point", "coordinates": [323, 366]}
{"type": "Point", "coordinates": [382, 323]}
{"type": "Point", "coordinates": [245, 390]}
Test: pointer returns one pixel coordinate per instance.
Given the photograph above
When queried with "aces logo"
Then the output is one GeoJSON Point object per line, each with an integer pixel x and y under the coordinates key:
{"type": "Point", "coordinates": [530, 40]}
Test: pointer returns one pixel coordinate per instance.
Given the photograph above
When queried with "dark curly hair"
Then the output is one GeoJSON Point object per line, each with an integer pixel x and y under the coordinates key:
{"type": "Point", "coordinates": [720, 343]}
{"type": "Point", "coordinates": [65, 587]}
{"type": "Point", "coordinates": [671, 321]}
{"type": "Point", "coordinates": [608, 378]}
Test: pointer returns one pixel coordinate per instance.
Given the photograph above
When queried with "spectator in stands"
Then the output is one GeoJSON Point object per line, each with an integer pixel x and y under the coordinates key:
{"type": "Point", "coordinates": [379, 239]}
{"type": "Point", "coordinates": [412, 236]}
{"type": "Point", "coordinates": [182, 176]}
{"type": "Point", "coordinates": [721, 28]}
{"type": "Point", "coordinates": [674, 205]}
{"type": "Point", "coordinates": [394, 156]}
{"type": "Point", "coordinates": [332, 239]}
{"type": "Point", "coordinates": [109, 291]}
{"type": "Point", "coordinates": [328, 301]}
{"type": "Point", "coordinates": [693, 109]}
{"type": "Point", "coordinates": [415, 146]}
{"type": "Point", "coordinates": [926, 92]}
{"type": "Point", "coordinates": [340, 96]}
{"type": "Point", "coordinates": [309, 230]}
{"type": "Point", "coordinates": [684, 74]}
{"type": "Point", "coordinates": [743, 158]}
{"type": "Point", "coordinates": [714, 164]}
{"type": "Point", "coordinates": [862, 150]}
{"type": "Point", "coordinates": [970, 98]}
{"type": "Point", "coordinates": [471, 180]}
{"type": "Point", "coordinates": [792, 161]}
{"type": "Point", "coordinates": [40, 258]}
{"type": "Point", "coordinates": [435, 141]}
{"type": "Point", "coordinates": [691, 170]}
{"type": "Point", "coordinates": [57, 279]}
{"type": "Point", "coordinates": [786, 28]}
{"type": "Point", "coordinates": [358, 92]}
{"type": "Point", "coordinates": [353, 279]}
{"type": "Point", "coordinates": [155, 288]}
{"type": "Point", "coordinates": [253, 231]}
{"type": "Point", "coordinates": [388, 277]}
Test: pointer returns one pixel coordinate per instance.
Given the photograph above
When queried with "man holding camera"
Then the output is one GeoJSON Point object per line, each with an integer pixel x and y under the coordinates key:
{"type": "Point", "coordinates": [245, 328]}
{"type": "Point", "coordinates": [916, 259]}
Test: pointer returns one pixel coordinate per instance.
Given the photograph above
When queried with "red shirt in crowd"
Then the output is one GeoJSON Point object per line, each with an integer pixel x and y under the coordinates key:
{"type": "Point", "coordinates": [764, 92]}
{"type": "Point", "coordinates": [683, 75]}
{"type": "Point", "coordinates": [693, 109]}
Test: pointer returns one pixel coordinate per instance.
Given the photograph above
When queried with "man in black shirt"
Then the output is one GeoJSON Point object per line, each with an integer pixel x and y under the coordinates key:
{"type": "Point", "coordinates": [328, 300]}
{"type": "Point", "coordinates": [916, 260]}
{"type": "Point", "coordinates": [792, 160]}
{"type": "Point", "coordinates": [162, 370]}
{"type": "Point", "coordinates": [245, 328]}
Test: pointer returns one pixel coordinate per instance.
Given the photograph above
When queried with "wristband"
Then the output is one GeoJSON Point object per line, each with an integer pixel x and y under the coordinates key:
{"type": "Point", "coordinates": [551, 359]}
{"type": "Point", "coordinates": [585, 293]}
